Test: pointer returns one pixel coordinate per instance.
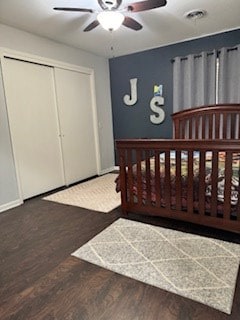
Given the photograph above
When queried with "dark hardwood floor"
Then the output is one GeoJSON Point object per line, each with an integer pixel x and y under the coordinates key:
{"type": "Point", "coordinates": [40, 280]}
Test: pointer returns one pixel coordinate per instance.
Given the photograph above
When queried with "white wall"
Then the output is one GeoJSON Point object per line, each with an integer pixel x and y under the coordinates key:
{"type": "Point", "coordinates": [15, 39]}
{"type": "Point", "coordinates": [8, 179]}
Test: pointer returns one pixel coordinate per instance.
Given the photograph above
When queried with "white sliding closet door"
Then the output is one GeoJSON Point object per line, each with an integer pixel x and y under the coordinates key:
{"type": "Point", "coordinates": [76, 117]}
{"type": "Point", "coordinates": [33, 120]}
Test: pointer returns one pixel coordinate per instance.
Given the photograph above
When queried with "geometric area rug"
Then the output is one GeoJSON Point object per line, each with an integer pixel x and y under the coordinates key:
{"type": "Point", "coordinates": [96, 194]}
{"type": "Point", "coordinates": [198, 268]}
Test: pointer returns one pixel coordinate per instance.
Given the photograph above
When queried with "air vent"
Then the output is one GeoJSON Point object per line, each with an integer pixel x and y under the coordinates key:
{"type": "Point", "coordinates": [196, 14]}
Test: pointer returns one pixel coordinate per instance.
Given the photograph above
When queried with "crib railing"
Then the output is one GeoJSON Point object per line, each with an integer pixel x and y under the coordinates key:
{"type": "Point", "coordinates": [152, 184]}
{"type": "Point", "coordinates": [208, 122]}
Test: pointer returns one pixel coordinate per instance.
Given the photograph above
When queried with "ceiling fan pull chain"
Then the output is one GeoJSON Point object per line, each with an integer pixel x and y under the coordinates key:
{"type": "Point", "coordinates": [112, 47]}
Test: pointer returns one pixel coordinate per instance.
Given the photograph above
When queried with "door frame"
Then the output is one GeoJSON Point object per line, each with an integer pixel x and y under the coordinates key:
{"type": "Point", "coordinates": [5, 52]}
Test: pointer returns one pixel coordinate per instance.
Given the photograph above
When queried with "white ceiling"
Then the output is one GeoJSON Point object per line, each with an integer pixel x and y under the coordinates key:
{"type": "Point", "coordinates": [161, 26]}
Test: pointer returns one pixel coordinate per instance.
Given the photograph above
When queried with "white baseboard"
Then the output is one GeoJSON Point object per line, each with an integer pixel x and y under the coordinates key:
{"type": "Point", "coordinates": [10, 205]}
{"type": "Point", "coordinates": [104, 171]}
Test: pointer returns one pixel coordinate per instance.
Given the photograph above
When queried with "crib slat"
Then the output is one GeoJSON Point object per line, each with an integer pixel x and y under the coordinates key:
{"type": "Point", "coordinates": [233, 125]}
{"type": "Point", "coordinates": [203, 127]}
{"type": "Point", "coordinates": [214, 176]}
{"type": "Point", "coordinates": [202, 174]}
{"type": "Point", "coordinates": [123, 175]}
{"type": "Point", "coordinates": [167, 182]}
{"type": "Point", "coordinates": [176, 128]}
{"type": "Point", "coordinates": [238, 204]}
{"type": "Point", "coordinates": [190, 182]}
{"type": "Point", "coordinates": [228, 184]}
{"type": "Point", "coordinates": [178, 181]}
{"type": "Point", "coordinates": [238, 131]}
{"type": "Point", "coordinates": [157, 178]}
{"type": "Point", "coordinates": [217, 126]}
{"type": "Point", "coordinates": [224, 129]}
{"type": "Point", "coordinates": [130, 175]}
{"type": "Point", "coordinates": [139, 176]}
{"type": "Point", "coordinates": [197, 127]}
{"type": "Point", "coordinates": [148, 185]}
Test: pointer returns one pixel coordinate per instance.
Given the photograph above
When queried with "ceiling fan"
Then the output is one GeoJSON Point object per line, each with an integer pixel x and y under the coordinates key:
{"type": "Point", "coordinates": [111, 17]}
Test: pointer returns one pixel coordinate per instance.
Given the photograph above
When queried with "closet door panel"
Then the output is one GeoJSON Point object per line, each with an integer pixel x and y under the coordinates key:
{"type": "Point", "coordinates": [33, 119]}
{"type": "Point", "coordinates": [75, 110]}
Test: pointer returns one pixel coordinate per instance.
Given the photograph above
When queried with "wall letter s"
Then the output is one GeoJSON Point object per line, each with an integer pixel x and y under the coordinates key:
{"type": "Point", "coordinates": [155, 104]}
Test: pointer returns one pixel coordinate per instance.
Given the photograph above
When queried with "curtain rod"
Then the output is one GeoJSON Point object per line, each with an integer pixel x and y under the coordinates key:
{"type": "Point", "coordinates": [208, 54]}
{"type": "Point", "coordinates": [195, 56]}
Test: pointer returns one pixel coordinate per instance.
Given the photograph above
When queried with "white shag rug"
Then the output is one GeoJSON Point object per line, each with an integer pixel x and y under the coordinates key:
{"type": "Point", "coordinates": [195, 267]}
{"type": "Point", "coordinates": [97, 194]}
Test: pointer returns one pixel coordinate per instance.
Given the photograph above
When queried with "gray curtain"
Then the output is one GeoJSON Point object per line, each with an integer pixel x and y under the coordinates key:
{"type": "Point", "coordinates": [194, 80]}
{"type": "Point", "coordinates": [229, 75]}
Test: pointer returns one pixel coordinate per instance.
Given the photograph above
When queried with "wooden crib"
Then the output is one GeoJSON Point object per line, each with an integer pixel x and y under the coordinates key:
{"type": "Point", "coordinates": [193, 177]}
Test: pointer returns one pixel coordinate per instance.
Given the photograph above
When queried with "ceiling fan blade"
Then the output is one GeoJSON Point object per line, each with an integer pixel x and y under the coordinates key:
{"type": "Point", "coordinates": [146, 5]}
{"type": "Point", "coordinates": [132, 24]}
{"type": "Point", "coordinates": [91, 26]}
{"type": "Point", "coordinates": [73, 9]}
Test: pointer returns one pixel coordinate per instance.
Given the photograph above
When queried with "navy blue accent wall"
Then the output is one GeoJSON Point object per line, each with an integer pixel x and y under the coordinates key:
{"type": "Point", "coordinates": [153, 67]}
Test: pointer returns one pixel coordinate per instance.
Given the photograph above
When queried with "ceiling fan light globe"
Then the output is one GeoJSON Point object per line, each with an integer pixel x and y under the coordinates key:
{"type": "Point", "coordinates": [110, 20]}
